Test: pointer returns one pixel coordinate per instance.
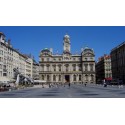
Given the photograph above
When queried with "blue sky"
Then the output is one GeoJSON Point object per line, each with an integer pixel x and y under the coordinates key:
{"type": "Point", "coordinates": [32, 39]}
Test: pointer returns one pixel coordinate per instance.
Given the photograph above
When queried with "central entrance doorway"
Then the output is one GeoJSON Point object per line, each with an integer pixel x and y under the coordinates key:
{"type": "Point", "coordinates": [67, 78]}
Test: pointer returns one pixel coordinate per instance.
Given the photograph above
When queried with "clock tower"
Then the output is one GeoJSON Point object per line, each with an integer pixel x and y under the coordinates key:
{"type": "Point", "coordinates": [66, 44]}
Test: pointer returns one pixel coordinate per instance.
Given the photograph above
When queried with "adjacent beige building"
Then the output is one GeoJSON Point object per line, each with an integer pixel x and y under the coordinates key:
{"type": "Point", "coordinates": [11, 58]}
{"type": "Point", "coordinates": [35, 70]}
{"type": "Point", "coordinates": [67, 67]}
{"type": "Point", "coordinates": [103, 68]}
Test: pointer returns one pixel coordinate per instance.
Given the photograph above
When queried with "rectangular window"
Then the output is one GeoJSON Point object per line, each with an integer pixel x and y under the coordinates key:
{"type": "Point", "coordinates": [86, 67]}
{"type": "Point", "coordinates": [79, 77]}
{"type": "Point", "coordinates": [59, 77]}
{"type": "Point", "coordinates": [91, 67]}
{"type": "Point", "coordinates": [80, 67]}
{"type": "Point", "coordinates": [54, 68]}
{"type": "Point", "coordinates": [59, 68]}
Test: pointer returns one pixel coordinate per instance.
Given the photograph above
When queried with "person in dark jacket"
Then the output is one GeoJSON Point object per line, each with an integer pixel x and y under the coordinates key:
{"type": "Point", "coordinates": [69, 84]}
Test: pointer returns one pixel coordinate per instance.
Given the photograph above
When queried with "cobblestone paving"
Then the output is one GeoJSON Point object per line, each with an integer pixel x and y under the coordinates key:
{"type": "Point", "coordinates": [75, 91]}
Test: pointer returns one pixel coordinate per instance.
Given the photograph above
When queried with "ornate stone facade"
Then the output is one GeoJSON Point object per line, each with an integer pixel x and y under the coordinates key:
{"type": "Point", "coordinates": [103, 68]}
{"type": "Point", "coordinates": [67, 67]}
{"type": "Point", "coordinates": [11, 59]}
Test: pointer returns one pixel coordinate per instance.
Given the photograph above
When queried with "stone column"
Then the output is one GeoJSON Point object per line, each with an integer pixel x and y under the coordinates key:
{"type": "Point", "coordinates": [57, 68]}
{"type": "Point", "coordinates": [45, 68]}
{"type": "Point", "coordinates": [70, 67]}
{"type": "Point", "coordinates": [56, 78]}
{"type": "Point", "coordinates": [83, 78]}
{"type": "Point", "coordinates": [88, 67]}
{"type": "Point", "coordinates": [63, 79]}
{"type": "Point", "coordinates": [89, 78]}
{"type": "Point", "coordinates": [77, 77]}
{"type": "Point", "coordinates": [76, 67]}
{"type": "Point", "coordinates": [51, 78]}
{"type": "Point", "coordinates": [94, 67]}
{"type": "Point", "coordinates": [70, 78]}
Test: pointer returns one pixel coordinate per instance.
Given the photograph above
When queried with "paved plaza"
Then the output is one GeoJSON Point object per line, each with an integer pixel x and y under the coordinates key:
{"type": "Point", "coordinates": [75, 91]}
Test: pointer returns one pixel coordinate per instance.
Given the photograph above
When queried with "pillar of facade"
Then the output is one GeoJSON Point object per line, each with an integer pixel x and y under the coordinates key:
{"type": "Point", "coordinates": [45, 77]}
{"type": "Point", "coordinates": [45, 68]}
{"type": "Point", "coordinates": [94, 67]}
{"type": "Point", "coordinates": [83, 78]}
{"type": "Point", "coordinates": [76, 77]}
{"type": "Point", "coordinates": [51, 77]}
{"type": "Point", "coordinates": [57, 68]}
{"type": "Point", "coordinates": [63, 79]}
{"type": "Point", "coordinates": [88, 67]}
{"type": "Point", "coordinates": [76, 67]}
{"type": "Point", "coordinates": [57, 78]}
{"type": "Point", "coordinates": [51, 68]}
{"type": "Point", "coordinates": [70, 78]}
{"type": "Point", "coordinates": [70, 67]}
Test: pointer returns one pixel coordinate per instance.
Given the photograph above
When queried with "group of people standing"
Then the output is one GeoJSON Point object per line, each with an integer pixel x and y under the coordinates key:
{"type": "Point", "coordinates": [119, 83]}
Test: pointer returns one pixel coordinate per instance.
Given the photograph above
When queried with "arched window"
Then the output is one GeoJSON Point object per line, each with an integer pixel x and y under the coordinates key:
{"type": "Point", "coordinates": [42, 77]}
{"type": "Point", "coordinates": [86, 67]}
{"type": "Point", "coordinates": [80, 78]}
{"type": "Point", "coordinates": [74, 78]}
{"type": "Point", "coordinates": [48, 67]}
{"type": "Point", "coordinates": [48, 77]}
{"type": "Point", "coordinates": [54, 78]}
{"type": "Point", "coordinates": [59, 67]}
{"type": "Point", "coordinates": [80, 67]}
{"type": "Point", "coordinates": [59, 77]}
{"type": "Point", "coordinates": [74, 67]}
{"type": "Point", "coordinates": [54, 67]}
{"type": "Point", "coordinates": [67, 68]}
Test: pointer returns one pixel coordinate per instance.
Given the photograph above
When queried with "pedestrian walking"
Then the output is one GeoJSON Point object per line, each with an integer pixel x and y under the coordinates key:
{"type": "Point", "coordinates": [104, 83]}
{"type": "Point", "coordinates": [69, 84]}
{"type": "Point", "coordinates": [120, 83]}
{"type": "Point", "coordinates": [85, 84]}
{"type": "Point", "coordinates": [49, 85]}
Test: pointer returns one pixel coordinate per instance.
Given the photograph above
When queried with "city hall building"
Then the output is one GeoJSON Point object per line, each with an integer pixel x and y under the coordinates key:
{"type": "Point", "coordinates": [67, 67]}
